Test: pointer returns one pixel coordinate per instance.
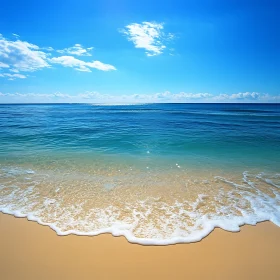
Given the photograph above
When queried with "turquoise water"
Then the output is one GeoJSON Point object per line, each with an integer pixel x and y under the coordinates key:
{"type": "Point", "coordinates": [154, 160]}
{"type": "Point", "coordinates": [233, 135]}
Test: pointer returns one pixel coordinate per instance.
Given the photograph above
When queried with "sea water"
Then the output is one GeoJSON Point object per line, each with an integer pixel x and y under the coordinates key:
{"type": "Point", "coordinates": [155, 173]}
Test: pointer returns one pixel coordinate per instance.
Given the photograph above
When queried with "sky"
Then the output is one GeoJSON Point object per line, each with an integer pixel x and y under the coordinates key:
{"type": "Point", "coordinates": [109, 51]}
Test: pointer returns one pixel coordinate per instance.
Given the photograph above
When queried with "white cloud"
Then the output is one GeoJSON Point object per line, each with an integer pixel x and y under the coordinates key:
{"type": "Point", "coordinates": [14, 70]}
{"type": "Point", "coordinates": [183, 95]}
{"type": "Point", "coordinates": [21, 55]}
{"type": "Point", "coordinates": [77, 49]}
{"type": "Point", "coordinates": [80, 65]}
{"type": "Point", "coordinates": [50, 49]}
{"type": "Point", "coordinates": [12, 76]}
{"type": "Point", "coordinates": [4, 65]}
{"type": "Point", "coordinates": [239, 96]}
{"type": "Point", "coordinates": [242, 95]}
{"type": "Point", "coordinates": [165, 97]}
{"type": "Point", "coordinates": [148, 36]}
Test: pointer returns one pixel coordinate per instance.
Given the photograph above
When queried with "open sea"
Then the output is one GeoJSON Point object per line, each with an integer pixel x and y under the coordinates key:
{"type": "Point", "coordinates": [157, 174]}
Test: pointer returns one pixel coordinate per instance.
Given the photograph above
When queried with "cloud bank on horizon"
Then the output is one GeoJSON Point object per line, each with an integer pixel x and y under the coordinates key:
{"type": "Point", "coordinates": [173, 52]}
{"type": "Point", "coordinates": [164, 97]}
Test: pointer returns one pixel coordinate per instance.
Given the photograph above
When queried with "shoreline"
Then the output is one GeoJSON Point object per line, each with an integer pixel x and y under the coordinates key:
{"type": "Point", "coordinates": [180, 210]}
{"type": "Point", "coordinates": [32, 251]}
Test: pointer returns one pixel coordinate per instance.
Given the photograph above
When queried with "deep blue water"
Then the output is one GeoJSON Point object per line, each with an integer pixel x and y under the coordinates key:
{"type": "Point", "coordinates": [224, 135]}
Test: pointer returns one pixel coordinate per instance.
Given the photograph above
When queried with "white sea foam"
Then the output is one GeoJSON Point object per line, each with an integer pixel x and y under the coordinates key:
{"type": "Point", "coordinates": [11, 171]}
{"type": "Point", "coordinates": [152, 221]}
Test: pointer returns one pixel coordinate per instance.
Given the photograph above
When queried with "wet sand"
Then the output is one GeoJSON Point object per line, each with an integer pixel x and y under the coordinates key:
{"type": "Point", "coordinates": [32, 251]}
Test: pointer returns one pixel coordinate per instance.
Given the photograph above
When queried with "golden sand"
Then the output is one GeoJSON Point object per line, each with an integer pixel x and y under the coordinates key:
{"type": "Point", "coordinates": [31, 251]}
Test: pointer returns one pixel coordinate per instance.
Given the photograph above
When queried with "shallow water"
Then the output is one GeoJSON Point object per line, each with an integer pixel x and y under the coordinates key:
{"type": "Point", "coordinates": [155, 173]}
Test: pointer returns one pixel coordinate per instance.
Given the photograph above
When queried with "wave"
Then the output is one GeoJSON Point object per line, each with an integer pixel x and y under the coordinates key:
{"type": "Point", "coordinates": [152, 220]}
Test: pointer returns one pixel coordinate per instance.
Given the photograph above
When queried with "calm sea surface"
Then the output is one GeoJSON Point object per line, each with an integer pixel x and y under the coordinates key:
{"type": "Point", "coordinates": [155, 173]}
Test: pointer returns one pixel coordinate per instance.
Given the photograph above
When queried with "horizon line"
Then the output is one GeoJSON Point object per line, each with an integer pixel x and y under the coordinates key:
{"type": "Point", "coordinates": [140, 103]}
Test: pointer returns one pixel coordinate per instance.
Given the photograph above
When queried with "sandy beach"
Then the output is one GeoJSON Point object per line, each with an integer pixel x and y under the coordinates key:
{"type": "Point", "coordinates": [32, 251]}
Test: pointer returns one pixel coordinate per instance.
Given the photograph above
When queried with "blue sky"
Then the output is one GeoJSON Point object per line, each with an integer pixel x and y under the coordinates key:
{"type": "Point", "coordinates": [140, 51]}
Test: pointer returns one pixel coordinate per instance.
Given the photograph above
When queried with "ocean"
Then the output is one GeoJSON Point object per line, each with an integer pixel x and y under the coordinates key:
{"type": "Point", "coordinates": [157, 174]}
